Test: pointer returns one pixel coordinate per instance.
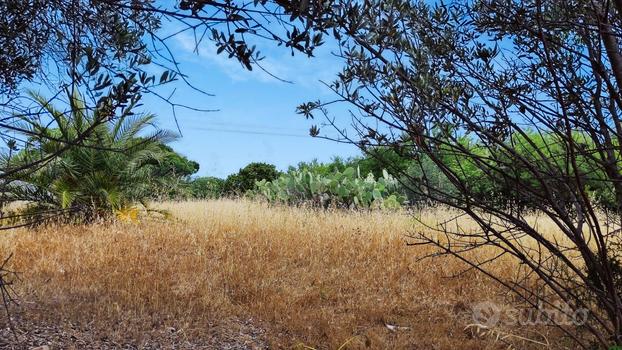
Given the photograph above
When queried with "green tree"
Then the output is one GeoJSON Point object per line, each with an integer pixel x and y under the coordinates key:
{"type": "Point", "coordinates": [244, 180]}
{"type": "Point", "coordinates": [171, 174]}
{"type": "Point", "coordinates": [378, 159]}
{"type": "Point", "coordinates": [513, 99]}
{"type": "Point", "coordinates": [207, 187]}
{"type": "Point", "coordinates": [174, 164]}
{"type": "Point", "coordinates": [337, 164]}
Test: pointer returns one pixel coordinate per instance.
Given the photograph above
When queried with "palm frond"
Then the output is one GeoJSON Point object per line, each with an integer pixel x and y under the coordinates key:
{"type": "Point", "coordinates": [78, 113]}
{"type": "Point", "coordinates": [128, 127]}
{"type": "Point", "coordinates": [58, 116]}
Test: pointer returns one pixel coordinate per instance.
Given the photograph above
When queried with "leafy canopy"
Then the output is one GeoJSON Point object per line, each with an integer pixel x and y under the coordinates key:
{"type": "Point", "coordinates": [244, 180]}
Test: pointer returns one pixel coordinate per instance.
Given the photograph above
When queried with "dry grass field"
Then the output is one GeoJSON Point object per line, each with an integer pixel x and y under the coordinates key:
{"type": "Point", "coordinates": [237, 274]}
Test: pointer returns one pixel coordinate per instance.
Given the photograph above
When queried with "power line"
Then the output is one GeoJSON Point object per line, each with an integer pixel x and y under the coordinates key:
{"type": "Point", "coordinates": [236, 125]}
{"type": "Point", "coordinates": [239, 131]}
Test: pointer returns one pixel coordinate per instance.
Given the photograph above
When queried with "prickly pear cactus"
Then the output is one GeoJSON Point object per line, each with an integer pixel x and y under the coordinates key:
{"type": "Point", "coordinates": [347, 189]}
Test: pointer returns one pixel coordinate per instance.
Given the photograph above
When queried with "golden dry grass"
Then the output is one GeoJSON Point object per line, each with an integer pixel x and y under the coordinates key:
{"type": "Point", "coordinates": [306, 277]}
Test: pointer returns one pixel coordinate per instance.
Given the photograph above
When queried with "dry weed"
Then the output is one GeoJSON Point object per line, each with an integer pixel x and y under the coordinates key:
{"type": "Point", "coordinates": [322, 279]}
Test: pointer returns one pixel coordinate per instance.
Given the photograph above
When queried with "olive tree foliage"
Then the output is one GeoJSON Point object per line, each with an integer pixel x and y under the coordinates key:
{"type": "Point", "coordinates": [40, 37]}
{"type": "Point", "coordinates": [525, 95]}
{"type": "Point", "coordinates": [113, 52]}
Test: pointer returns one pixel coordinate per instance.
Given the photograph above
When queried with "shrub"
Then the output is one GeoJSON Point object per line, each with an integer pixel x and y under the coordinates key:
{"type": "Point", "coordinates": [207, 187]}
{"type": "Point", "coordinates": [245, 179]}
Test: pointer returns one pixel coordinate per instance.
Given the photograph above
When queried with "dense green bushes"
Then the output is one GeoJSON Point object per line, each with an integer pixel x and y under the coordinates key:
{"type": "Point", "coordinates": [417, 173]}
{"type": "Point", "coordinates": [344, 182]}
{"type": "Point", "coordinates": [245, 179]}
{"type": "Point", "coordinates": [234, 185]}
{"type": "Point", "coordinates": [541, 153]}
{"type": "Point", "coordinates": [207, 187]}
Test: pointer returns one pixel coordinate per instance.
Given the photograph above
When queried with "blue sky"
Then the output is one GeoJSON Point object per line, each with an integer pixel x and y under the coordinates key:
{"type": "Point", "coordinates": [256, 119]}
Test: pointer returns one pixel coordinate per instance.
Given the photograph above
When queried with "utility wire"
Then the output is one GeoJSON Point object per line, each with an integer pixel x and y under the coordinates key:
{"type": "Point", "coordinates": [239, 131]}
{"type": "Point", "coordinates": [190, 123]}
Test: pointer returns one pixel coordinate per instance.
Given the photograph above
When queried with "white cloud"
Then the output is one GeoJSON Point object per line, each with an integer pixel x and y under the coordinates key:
{"type": "Point", "coordinates": [206, 54]}
{"type": "Point", "coordinates": [278, 62]}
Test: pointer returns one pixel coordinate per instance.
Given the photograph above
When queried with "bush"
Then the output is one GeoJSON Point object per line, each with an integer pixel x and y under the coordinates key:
{"type": "Point", "coordinates": [207, 187]}
{"type": "Point", "coordinates": [245, 179]}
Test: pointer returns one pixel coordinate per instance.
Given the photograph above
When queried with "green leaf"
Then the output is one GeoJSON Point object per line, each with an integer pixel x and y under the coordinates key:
{"type": "Point", "coordinates": [164, 77]}
{"type": "Point", "coordinates": [349, 172]}
{"type": "Point", "coordinates": [377, 195]}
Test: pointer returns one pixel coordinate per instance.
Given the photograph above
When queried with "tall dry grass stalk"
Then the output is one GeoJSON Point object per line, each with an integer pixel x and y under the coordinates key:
{"type": "Point", "coordinates": [306, 277]}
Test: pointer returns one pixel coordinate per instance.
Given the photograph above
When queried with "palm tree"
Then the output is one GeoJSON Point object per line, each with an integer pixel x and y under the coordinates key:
{"type": "Point", "coordinates": [108, 171]}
